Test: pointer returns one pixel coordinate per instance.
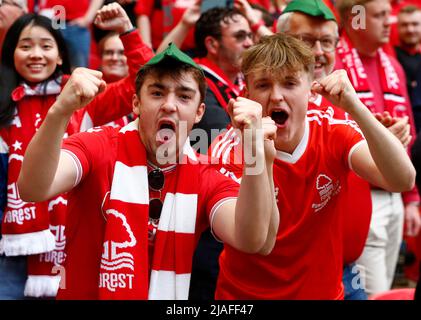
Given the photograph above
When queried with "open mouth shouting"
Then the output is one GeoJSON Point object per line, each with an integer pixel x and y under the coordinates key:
{"type": "Point", "coordinates": [166, 130]}
{"type": "Point", "coordinates": [280, 117]}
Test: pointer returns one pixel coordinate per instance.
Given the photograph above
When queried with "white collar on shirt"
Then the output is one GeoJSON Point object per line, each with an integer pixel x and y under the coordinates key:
{"type": "Point", "coordinates": [299, 150]}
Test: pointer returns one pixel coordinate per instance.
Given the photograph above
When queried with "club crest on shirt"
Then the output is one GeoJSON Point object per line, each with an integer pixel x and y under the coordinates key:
{"type": "Point", "coordinates": [326, 189]}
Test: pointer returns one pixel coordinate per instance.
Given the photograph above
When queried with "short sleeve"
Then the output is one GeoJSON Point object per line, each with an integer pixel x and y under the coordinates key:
{"type": "Point", "coordinates": [346, 136]}
{"type": "Point", "coordinates": [216, 188]}
{"type": "Point", "coordinates": [90, 149]}
{"type": "Point", "coordinates": [144, 7]}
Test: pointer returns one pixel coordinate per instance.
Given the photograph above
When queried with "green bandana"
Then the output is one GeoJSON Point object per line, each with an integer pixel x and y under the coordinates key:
{"type": "Point", "coordinates": [174, 53]}
{"type": "Point", "coordinates": [314, 8]}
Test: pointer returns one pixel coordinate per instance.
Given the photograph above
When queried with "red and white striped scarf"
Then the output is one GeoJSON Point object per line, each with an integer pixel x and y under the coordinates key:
{"type": "Point", "coordinates": [124, 259]}
{"type": "Point", "coordinates": [28, 228]}
{"type": "Point", "coordinates": [393, 89]}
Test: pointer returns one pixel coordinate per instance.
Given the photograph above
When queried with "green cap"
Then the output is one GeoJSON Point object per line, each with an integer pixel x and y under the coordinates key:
{"type": "Point", "coordinates": [172, 52]}
{"type": "Point", "coordinates": [314, 8]}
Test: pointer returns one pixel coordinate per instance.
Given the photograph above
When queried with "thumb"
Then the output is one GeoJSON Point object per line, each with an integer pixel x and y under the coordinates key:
{"type": "Point", "coordinates": [102, 86]}
{"type": "Point", "coordinates": [230, 108]}
{"type": "Point", "coordinates": [316, 87]}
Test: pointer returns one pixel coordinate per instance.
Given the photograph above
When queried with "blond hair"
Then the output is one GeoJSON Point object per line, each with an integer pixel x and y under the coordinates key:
{"type": "Point", "coordinates": [278, 53]}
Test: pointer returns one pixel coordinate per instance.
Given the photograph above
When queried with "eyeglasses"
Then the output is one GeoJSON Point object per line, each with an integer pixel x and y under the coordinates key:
{"type": "Point", "coordinates": [156, 180]}
{"type": "Point", "coordinates": [328, 44]}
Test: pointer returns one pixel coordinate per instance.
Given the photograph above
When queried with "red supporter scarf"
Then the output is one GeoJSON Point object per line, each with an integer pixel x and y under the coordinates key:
{"type": "Point", "coordinates": [218, 83]}
{"type": "Point", "coordinates": [393, 89]}
{"type": "Point", "coordinates": [28, 228]}
{"type": "Point", "coordinates": [125, 248]}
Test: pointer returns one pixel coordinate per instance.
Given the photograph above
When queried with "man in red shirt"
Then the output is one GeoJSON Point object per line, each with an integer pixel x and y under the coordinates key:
{"type": "Point", "coordinates": [380, 84]}
{"type": "Point", "coordinates": [315, 153]}
{"type": "Point", "coordinates": [140, 197]}
{"type": "Point", "coordinates": [315, 24]}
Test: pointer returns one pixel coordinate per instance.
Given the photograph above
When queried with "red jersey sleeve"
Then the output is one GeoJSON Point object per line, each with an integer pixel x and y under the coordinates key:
{"type": "Point", "coordinates": [144, 7]}
{"type": "Point", "coordinates": [116, 101]}
{"type": "Point", "coordinates": [90, 149]}
{"type": "Point", "coordinates": [345, 137]}
{"type": "Point", "coordinates": [215, 188]}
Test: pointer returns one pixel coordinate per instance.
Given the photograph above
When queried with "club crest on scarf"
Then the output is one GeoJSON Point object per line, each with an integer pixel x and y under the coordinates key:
{"type": "Point", "coordinates": [114, 255]}
{"type": "Point", "coordinates": [18, 213]}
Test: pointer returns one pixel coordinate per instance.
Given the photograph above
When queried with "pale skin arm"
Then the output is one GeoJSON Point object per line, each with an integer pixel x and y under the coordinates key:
{"type": "Point", "coordinates": [144, 27]}
{"type": "Point", "coordinates": [180, 31]}
{"type": "Point", "coordinates": [251, 223]}
{"type": "Point", "coordinates": [46, 171]}
{"type": "Point", "coordinates": [400, 127]}
{"type": "Point", "coordinates": [87, 19]}
{"type": "Point", "coordinates": [382, 161]}
{"type": "Point", "coordinates": [247, 10]}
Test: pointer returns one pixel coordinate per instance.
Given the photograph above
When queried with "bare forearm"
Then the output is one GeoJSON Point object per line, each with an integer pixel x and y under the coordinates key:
{"type": "Point", "coordinates": [274, 219]}
{"type": "Point", "coordinates": [144, 26]}
{"type": "Point", "coordinates": [253, 210]}
{"type": "Point", "coordinates": [42, 157]}
{"type": "Point", "coordinates": [93, 8]}
{"type": "Point", "coordinates": [176, 36]}
{"type": "Point", "coordinates": [386, 150]}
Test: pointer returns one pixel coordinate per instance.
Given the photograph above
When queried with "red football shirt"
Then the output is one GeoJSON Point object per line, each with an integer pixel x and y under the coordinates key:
{"type": "Point", "coordinates": [95, 153]}
{"type": "Point", "coordinates": [356, 205]}
{"type": "Point", "coordinates": [307, 260]}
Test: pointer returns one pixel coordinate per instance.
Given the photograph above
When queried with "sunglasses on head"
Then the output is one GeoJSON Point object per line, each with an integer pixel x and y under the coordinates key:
{"type": "Point", "coordinates": [156, 180]}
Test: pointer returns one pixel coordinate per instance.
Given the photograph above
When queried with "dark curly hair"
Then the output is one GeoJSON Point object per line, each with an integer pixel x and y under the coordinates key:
{"type": "Point", "coordinates": [209, 24]}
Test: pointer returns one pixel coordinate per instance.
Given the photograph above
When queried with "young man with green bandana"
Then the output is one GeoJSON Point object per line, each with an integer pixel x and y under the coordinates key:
{"type": "Point", "coordinates": [139, 197]}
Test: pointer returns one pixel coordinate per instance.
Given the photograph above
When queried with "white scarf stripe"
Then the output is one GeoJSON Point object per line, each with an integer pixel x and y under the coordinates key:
{"type": "Point", "coordinates": [179, 213]}
{"type": "Point", "coordinates": [129, 184]}
{"type": "Point", "coordinates": [394, 97]}
{"type": "Point", "coordinates": [132, 126]}
{"type": "Point", "coordinates": [165, 280]}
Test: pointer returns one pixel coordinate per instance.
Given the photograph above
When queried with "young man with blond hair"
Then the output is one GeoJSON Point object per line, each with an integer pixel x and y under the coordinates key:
{"type": "Point", "coordinates": [314, 154]}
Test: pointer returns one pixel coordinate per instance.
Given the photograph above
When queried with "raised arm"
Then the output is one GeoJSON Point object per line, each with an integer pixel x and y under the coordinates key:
{"type": "Point", "coordinates": [258, 27]}
{"type": "Point", "coordinates": [144, 26]}
{"type": "Point", "coordinates": [180, 31]}
{"type": "Point", "coordinates": [46, 171]}
{"type": "Point", "coordinates": [250, 224]}
{"type": "Point", "coordinates": [89, 16]}
{"type": "Point", "coordinates": [383, 161]}
{"type": "Point", "coordinates": [116, 101]}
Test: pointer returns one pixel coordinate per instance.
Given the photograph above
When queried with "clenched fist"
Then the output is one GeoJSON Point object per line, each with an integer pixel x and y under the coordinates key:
{"type": "Point", "coordinates": [81, 88]}
{"type": "Point", "coordinates": [113, 17]}
{"type": "Point", "coordinates": [337, 88]}
{"type": "Point", "coordinates": [245, 113]}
